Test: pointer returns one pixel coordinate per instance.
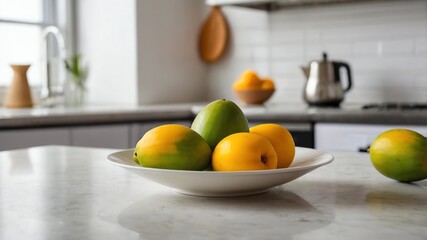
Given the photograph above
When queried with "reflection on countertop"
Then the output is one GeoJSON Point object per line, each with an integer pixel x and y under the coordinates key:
{"type": "Point", "coordinates": [299, 213]}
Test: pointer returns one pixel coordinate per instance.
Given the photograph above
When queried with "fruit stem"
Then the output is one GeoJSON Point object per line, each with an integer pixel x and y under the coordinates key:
{"type": "Point", "coordinates": [263, 159]}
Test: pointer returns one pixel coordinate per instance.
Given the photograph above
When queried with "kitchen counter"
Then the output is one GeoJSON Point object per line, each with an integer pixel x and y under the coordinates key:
{"type": "Point", "coordinates": [60, 116]}
{"type": "Point", "coordinates": [37, 117]}
{"type": "Point", "coordinates": [57, 192]}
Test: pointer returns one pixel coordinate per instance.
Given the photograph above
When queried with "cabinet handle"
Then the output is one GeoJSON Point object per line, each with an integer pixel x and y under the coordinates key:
{"type": "Point", "coordinates": [364, 149]}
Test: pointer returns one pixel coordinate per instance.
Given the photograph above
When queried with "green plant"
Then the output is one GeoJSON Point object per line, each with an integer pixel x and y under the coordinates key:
{"type": "Point", "coordinates": [77, 71]}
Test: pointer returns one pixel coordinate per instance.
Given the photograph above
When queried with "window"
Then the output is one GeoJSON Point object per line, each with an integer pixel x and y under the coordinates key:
{"type": "Point", "coordinates": [21, 24]}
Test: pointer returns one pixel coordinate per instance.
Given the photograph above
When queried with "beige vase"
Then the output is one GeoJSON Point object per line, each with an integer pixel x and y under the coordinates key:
{"type": "Point", "coordinates": [18, 94]}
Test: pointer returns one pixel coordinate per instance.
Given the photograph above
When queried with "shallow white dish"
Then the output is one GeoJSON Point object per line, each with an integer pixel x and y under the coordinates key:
{"type": "Point", "coordinates": [223, 184]}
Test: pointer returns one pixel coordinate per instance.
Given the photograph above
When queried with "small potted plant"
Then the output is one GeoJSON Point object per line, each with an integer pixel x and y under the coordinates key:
{"type": "Point", "coordinates": [76, 81]}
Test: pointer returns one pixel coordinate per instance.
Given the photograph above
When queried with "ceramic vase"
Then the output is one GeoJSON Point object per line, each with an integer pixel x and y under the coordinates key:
{"type": "Point", "coordinates": [19, 94]}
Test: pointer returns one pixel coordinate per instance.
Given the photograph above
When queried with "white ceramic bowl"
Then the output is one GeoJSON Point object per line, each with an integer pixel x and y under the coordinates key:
{"type": "Point", "coordinates": [224, 184]}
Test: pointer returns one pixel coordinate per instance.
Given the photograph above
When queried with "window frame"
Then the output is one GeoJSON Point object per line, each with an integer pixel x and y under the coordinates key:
{"type": "Point", "coordinates": [59, 13]}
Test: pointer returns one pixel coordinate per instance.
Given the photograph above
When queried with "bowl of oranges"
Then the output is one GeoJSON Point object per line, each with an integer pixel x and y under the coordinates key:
{"type": "Point", "coordinates": [251, 89]}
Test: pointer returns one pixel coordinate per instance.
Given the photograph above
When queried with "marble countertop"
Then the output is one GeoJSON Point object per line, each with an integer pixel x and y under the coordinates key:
{"type": "Point", "coordinates": [58, 192]}
{"type": "Point", "coordinates": [290, 113]}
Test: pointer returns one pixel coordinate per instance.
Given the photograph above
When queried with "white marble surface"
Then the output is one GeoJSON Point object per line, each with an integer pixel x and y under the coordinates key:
{"type": "Point", "coordinates": [58, 192]}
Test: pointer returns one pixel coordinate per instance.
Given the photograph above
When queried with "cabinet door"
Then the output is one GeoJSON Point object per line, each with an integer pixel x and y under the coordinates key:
{"type": "Point", "coordinates": [23, 138]}
{"type": "Point", "coordinates": [104, 136]}
{"type": "Point", "coordinates": [139, 129]}
{"type": "Point", "coordinates": [352, 137]}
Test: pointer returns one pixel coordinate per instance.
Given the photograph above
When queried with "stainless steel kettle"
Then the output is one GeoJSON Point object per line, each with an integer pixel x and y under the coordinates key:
{"type": "Point", "coordinates": [323, 86]}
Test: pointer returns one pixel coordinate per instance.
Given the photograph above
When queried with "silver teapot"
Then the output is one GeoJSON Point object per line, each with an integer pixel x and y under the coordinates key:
{"type": "Point", "coordinates": [323, 87]}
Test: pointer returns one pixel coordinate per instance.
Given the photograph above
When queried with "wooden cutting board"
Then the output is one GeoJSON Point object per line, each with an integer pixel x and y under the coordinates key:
{"type": "Point", "coordinates": [214, 36]}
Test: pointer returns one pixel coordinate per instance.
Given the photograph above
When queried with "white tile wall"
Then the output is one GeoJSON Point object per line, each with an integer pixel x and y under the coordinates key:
{"type": "Point", "coordinates": [143, 51]}
{"type": "Point", "coordinates": [107, 40]}
{"type": "Point", "coordinates": [385, 42]}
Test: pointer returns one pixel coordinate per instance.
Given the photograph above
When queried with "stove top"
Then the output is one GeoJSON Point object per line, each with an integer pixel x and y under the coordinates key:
{"type": "Point", "coordinates": [396, 106]}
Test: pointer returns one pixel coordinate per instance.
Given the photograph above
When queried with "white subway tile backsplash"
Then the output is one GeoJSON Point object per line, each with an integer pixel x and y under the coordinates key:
{"type": "Point", "coordinates": [357, 96]}
{"type": "Point", "coordinates": [289, 82]}
{"type": "Point", "coordinates": [312, 36]}
{"type": "Point", "coordinates": [419, 96]}
{"type": "Point", "coordinates": [368, 48]}
{"type": "Point", "coordinates": [313, 51]}
{"type": "Point", "coordinates": [250, 37]}
{"type": "Point", "coordinates": [398, 63]}
{"type": "Point", "coordinates": [286, 51]}
{"type": "Point", "coordinates": [262, 68]}
{"type": "Point", "coordinates": [284, 35]}
{"type": "Point", "coordinates": [287, 67]}
{"type": "Point", "coordinates": [379, 79]}
{"type": "Point", "coordinates": [421, 46]}
{"type": "Point", "coordinates": [385, 43]}
{"type": "Point", "coordinates": [401, 47]}
{"type": "Point", "coordinates": [339, 49]}
{"type": "Point", "coordinates": [260, 53]}
{"type": "Point", "coordinates": [240, 53]}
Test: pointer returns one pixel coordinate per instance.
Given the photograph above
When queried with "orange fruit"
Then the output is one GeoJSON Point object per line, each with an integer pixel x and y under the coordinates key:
{"type": "Point", "coordinates": [173, 146]}
{"type": "Point", "coordinates": [267, 84]}
{"type": "Point", "coordinates": [247, 80]}
{"type": "Point", "coordinates": [281, 139]}
{"type": "Point", "coordinates": [239, 85]}
{"type": "Point", "coordinates": [400, 154]}
{"type": "Point", "coordinates": [242, 152]}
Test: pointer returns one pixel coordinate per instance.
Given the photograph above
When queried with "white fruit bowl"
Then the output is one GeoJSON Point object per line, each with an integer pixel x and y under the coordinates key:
{"type": "Point", "coordinates": [225, 184]}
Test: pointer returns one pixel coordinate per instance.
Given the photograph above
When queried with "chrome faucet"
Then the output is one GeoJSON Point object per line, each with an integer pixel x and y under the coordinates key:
{"type": "Point", "coordinates": [48, 93]}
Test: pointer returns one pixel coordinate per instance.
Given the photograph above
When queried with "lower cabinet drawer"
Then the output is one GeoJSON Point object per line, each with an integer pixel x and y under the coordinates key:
{"type": "Point", "coordinates": [104, 136]}
{"type": "Point", "coordinates": [23, 138]}
{"type": "Point", "coordinates": [353, 137]}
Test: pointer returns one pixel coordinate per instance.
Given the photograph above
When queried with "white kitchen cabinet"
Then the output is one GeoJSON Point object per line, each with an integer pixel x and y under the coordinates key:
{"type": "Point", "coordinates": [352, 137]}
{"type": "Point", "coordinates": [23, 138]}
{"type": "Point", "coordinates": [119, 136]}
{"type": "Point", "coordinates": [105, 136]}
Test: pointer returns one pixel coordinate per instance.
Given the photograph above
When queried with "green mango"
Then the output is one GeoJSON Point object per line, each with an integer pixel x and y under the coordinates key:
{"type": "Point", "coordinates": [400, 154]}
{"type": "Point", "coordinates": [219, 119]}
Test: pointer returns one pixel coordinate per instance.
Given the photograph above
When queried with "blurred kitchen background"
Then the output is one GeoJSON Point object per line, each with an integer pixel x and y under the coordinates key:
{"type": "Point", "coordinates": [144, 68]}
{"type": "Point", "coordinates": [146, 51]}
{"type": "Point", "coordinates": [385, 43]}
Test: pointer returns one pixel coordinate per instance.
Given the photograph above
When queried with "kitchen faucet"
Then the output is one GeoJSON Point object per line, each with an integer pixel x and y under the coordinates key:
{"type": "Point", "coordinates": [48, 91]}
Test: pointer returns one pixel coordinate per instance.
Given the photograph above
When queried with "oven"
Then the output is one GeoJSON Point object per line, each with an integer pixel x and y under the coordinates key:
{"type": "Point", "coordinates": [302, 133]}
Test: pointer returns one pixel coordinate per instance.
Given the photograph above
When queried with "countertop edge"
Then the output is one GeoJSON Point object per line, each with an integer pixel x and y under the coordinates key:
{"type": "Point", "coordinates": [28, 118]}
